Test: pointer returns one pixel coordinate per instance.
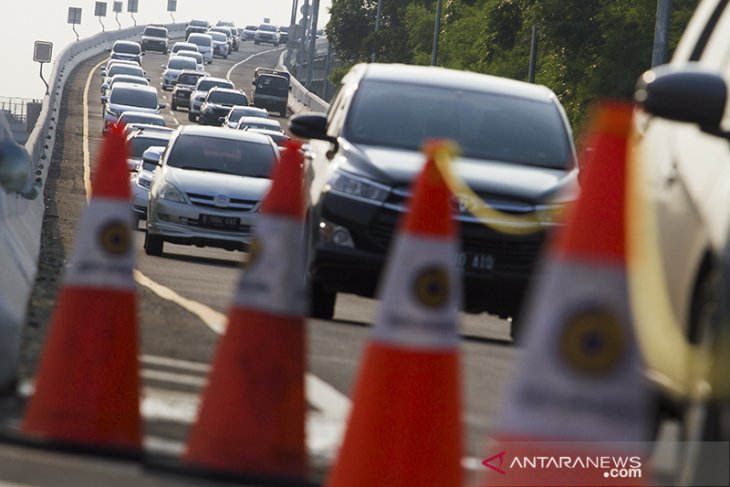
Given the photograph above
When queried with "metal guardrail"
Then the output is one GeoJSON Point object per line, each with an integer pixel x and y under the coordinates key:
{"type": "Point", "coordinates": [21, 208]}
{"type": "Point", "coordinates": [17, 107]}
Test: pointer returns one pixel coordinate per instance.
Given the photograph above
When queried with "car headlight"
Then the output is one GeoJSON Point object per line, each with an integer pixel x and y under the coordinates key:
{"type": "Point", "coordinates": [114, 113]}
{"type": "Point", "coordinates": [349, 184]}
{"type": "Point", "coordinates": [169, 192]}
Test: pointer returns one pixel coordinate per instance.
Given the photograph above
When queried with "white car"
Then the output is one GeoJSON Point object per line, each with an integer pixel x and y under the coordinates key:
{"type": "Point", "coordinates": [176, 65]}
{"type": "Point", "coordinates": [127, 50]}
{"type": "Point", "coordinates": [125, 97]}
{"type": "Point", "coordinates": [154, 38]}
{"type": "Point", "coordinates": [204, 42]}
{"type": "Point", "coordinates": [194, 55]}
{"type": "Point", "coordinates": [117, 69]}
{"type": "Point", "coordinates": [208, 188]}
{"type": "Point", "coordinates": [220, 43]}
{"type": "Point", "coordinates": [112, 62]}
{"type": "Point", "coordinates": [239, 111]}
{"type": "Point", "coordinates": [268, 33]}
{"type": "Point", "coordinates": [183, 46]}
{"type": "Point", "coordinates": [249, 32]}
{"type": "Point", "coordinates": [121, 78]}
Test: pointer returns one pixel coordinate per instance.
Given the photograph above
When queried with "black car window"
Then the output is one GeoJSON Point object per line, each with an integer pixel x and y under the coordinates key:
{"type": "Point", "coordinates": [206, 85]}
{"type": "Point", "coordinates": [125, 69]}
{"type": "Point", "coordinates": [226, 98]}
{"type": "Point", "coordinates": [272, 85]}
{"type": "Point", "coordinates": [485, 125]}
{"type": "Point", "coordinates": [141, 118]}
{"type": "Point", "coordinates": [188, 79]}
{"type": "Point", "coordinates": [155, 32]}
{"type": "Point", "coordinates": [127, 48]}
{"type": "Point", "coordinates": [139, 144]}
{"type": "Point", "coordinates": [182, 63]}
{"type": "Point", "coordinates": [134, 98]}
{"type": "Point", "coordinates": [239, 157]}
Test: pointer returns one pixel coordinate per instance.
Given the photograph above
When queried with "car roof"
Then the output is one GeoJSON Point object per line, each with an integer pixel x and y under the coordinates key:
{"type": "Point", "coordinates": [452, 78]}
{"type": "Point", "coordinates": [129, 43]}
{"type": "Point", "coordinates": [223, 133]}
{"type": "Point", "coordinates": [213, 78]}
{"type": "Point", "coordinates": [227, 90]}
{"type": "Point", "coordinates": [132, 113]}
{"type": "Point", "coordinates": [130, 86]}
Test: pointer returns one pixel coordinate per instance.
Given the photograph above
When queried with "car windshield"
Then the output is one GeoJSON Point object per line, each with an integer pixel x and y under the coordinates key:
{"type": "Point", "coordinates": [251, 27]}
{"type": "Point", "coordinates": [202, 40]}
{"type": "Point", "coordinates": [229, 156]}
{"type": "Point", "coordinates": [127, 48]}
{"type": "Point", "coordinates": [226, 98]}
{"type": "Point", "coordinates": [267, 28]}
{"type": "Point", "coordinates": [125, 69]}
{"type": "Point", "coordinates": [272, 85]}
{"type": "Point", "coordinates": [187, 79]}
{"type": "Point", "coordinates": [181, 63]}
{"type": "Point", "coordinates": [485, 125]}
{"type": "Point", "coordinates": [134, 98]}
{"type": "Point", "coordinates": [237, 113]}
{"type": "Point", "coordinates": [140, 143]}
{"type": "Point", "coordinates": [125, 78]}
{"type": "Point", "coordinates": [261, 123]}
{"type": "Point", "coordinates": [218, 36]}
{"type": "Point", "coordinates": [141, 118]}
{"type": "Point", "coordinates": [186, 46]}
{"type": "Point", "coordinates": [192, 55]}
{"type": "Point", "coordinates": [155, 32]}
{"type": "Point", "coordinates": [206, 85]}
{"type": "Point", "coordinates": [199, 23]}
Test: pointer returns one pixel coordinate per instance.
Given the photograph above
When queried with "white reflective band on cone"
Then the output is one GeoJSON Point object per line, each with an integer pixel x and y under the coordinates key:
{"type": "Point", "coordinates": [420, 295]}
{"type": "Point", "coordinates": [103, 254]}
{"type": "Point", "coordinates": [580, 373]}
{"type": "Point", "coordinates": [273, 279]}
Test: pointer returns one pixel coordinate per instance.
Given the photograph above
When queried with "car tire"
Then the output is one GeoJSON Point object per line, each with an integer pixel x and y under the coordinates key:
{"type": "Point", "coordinates": [192, 117]}
{"type": "Point", "coordinates": [702, 420]}
{"type": "Point", "coordinates": [322, 303]}
{"type": "Point", "coordinates": [256, 42]}
{"type": "Point", "coordinates": [153, 244]}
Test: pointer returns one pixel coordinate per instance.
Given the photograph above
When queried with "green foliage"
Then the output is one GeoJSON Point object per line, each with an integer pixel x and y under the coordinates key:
{"type": "Point", "coordinates": [587, 49]}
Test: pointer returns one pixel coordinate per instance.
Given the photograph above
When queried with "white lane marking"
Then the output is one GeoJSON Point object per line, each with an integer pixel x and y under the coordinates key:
{"type": "Point", "coordinates": [174, 362]}
{"type": "Point", "coordinates": [230, 71]}
{"type": "Point", "coordinates": [173, 378]}
{"type": "Point", "coordinates": [87, 158]}
{"type": "Point", "coordinates": [163, 446]}
{"type": "Point", "coordinates": [328, 400]}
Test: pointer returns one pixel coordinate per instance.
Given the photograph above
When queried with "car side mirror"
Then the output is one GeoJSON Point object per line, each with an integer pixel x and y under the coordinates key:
{"type": "Point", "coordinates": [104, 99]}
{"type": "Point", "coordinates": [313, 126]}
{"type": "Point", "coordinates": [153, 155]}
{"type": "Point", "coordinates": [691, 94]}
{"type": "Point", "coordinates": [162, 106]}
{"type": "Point", "coordinates": [163, 66]}
{"type": "Point", "coordinates": [253, 82]}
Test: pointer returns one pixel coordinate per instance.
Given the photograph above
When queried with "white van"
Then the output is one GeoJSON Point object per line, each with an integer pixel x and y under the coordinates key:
{"type": "Point", "coordinates": [205, 45]}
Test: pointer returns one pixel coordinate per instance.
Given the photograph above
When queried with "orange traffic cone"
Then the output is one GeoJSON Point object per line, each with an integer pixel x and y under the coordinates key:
{"type": "Point", "coordinates": [578, 392]}
{"type": "Point", "coordinates": [405, 426]}
{"type": "Point", "coordinates": [253, 413]}
{"type": "Point", "coordinates": [87, 386]}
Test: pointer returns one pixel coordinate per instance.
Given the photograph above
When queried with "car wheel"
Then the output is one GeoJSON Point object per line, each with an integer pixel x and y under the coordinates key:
{"type": "Point", "coordinates": [192, 117]}
{"type": "Point", "coordinates": [256, 42]}
{"type": "Point", "coordinates": [153, 244]}
{"type": "Point", "coordinates": [704, 420]}
{"type": "Point", "coordinates": [322, 303]}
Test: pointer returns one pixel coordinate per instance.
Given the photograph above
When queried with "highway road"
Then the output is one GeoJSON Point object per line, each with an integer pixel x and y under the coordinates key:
{"type": "Point", "coordinates": [185, 294]}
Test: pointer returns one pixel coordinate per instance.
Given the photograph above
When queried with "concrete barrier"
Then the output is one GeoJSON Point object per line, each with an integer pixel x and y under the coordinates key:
{"type": "Point", "coordinates": [301, 99]}
{"type": "Point", "coordinates": [22, 204]}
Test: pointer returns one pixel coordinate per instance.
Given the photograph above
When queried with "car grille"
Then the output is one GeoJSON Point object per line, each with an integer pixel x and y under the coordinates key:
{"type": "Point", "coordinates": [208, 201]}
{"type": "Point", "coordinates": [511, 254]}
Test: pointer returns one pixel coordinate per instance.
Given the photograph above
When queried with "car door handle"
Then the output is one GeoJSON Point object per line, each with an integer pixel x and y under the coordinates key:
{"type": "Point", "coordinates": [669, 172]}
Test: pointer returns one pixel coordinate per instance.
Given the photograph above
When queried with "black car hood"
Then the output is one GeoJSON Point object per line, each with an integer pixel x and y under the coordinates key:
{"type": "Point", "coordinates": [399, 167]}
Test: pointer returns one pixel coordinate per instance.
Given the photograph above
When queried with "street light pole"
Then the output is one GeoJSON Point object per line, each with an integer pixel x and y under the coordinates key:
{"type": "Point", "coordinates": [378, 15]}
{"type": "Point", "coordinates": [312, 43]}
{"type": "Point", "coordinates": [436, 33]}
{"type": "Point", "coordinates": [661, 32]}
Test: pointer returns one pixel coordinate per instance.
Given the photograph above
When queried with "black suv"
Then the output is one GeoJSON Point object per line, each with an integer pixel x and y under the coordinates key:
{"type": "Point", "coordinates": [517, 154]}
{"type": "Point", "coordinates": [271, 91]}
{"type": "Point", "coordinates": [196, 26]}
{"type": "Point", "coordinates": [218, 103]}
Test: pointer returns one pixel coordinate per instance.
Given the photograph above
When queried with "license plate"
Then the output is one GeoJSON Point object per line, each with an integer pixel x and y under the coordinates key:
{"type": "Point", "coordinates": [475, 262]}
{"type": "Point", "coordinates": [224, 222]}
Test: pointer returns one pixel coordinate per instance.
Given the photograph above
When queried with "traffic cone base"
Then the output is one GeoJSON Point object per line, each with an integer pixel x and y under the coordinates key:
{"type": "Point", "coordinates": [244, 388]}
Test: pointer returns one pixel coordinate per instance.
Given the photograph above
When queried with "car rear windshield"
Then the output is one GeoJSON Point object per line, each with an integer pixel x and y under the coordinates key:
{"type": "Point", "coordinates": [267, 28]}
{"type": "Point", "coordinates": [125, 69]}
{"type": "Point", "coordinates": [228, 156]}
{"type": "Point", "coordinates": [133, 98]}
{"type": "Point", "coordinates": [206, 85]}
{"type": "Point", "coordinates": [251, 27]}
{"type": "Point", "coordinates": [182, 63]}
{"type": "Point", "coordinates": [188, 46]}
{"type": "Point", "coordinates": [127, 48]}
{"type": "Point", "coordinates": [225, 98]}
{"type": "Point", "coordinates": [142, 118]}
{"type": "Point", "coordinates": [262, 123]}
{"type": "Point", "coordinates": [200, 40]}
{"type": "Point", "coordinates": [188, 79]}
{"type": "Point", "coordinates": [218, 36]}
{"type": "Point", "coordinates": [199, 23]}
{"type": "Point", "coordinates": [240, 112]}
{"type": "Point", "coordinates": [125, 78]}
{"type": "Point", "coordinates": [490, 126]}
{"type": "Point", "coordinates": [272, 85]}
{"type": "Point", "coordinates": [155, 32]}
{"type": "Point", "coordinates": [139, 144]}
